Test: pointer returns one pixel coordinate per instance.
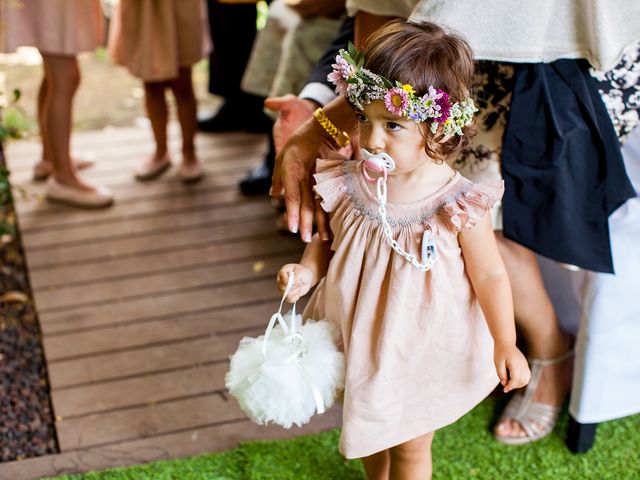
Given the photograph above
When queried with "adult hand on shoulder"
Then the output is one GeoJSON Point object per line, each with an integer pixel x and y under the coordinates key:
{"type": "Point", "coordinates": [293, 176]}
{"type": "Point", "coordinates": [294, 167]}
{"type": "Point", "coordinates": [292, 112]}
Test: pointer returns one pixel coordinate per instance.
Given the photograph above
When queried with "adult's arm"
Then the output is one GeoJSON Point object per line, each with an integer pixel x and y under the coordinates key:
{"type": "Point", "coordinates": [294, 110]}
{"type": "Point", "coordinates": [293, 172]}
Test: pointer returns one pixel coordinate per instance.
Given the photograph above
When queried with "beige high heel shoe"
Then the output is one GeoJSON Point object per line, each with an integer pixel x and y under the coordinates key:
{"type": "Point", "coordinates": [536, 419]}
{"type": "Point", "coordinates": [58, 192]}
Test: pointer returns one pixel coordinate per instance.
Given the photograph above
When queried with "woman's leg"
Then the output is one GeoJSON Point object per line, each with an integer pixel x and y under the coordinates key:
{"type": "Point", "coordinates": [412, 460]}
{"type": "Point", "coordinates": [156, 106]}
{"type": "Point", "coordinates": [377, 465]}
{"type": "Point", "coordinates": [537, 322]}
{"type": "Point", "coordinates": [55, 101]}
{"type": "Point", "coordinates": [186, 105]}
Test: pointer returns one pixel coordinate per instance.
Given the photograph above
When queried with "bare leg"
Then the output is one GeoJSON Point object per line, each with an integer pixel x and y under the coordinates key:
{"type": "Point", "coordinates": [156, 105]}
{"type": "Point", "coordinates": [412, 460]}
{"type": "Point", "coordinates": [377, 466]}
{"type": "Point", "coordinates": [62, 79]}
{"type": "Point", "coordinates": [537, 322]}
{"type": "Point", "coordinates": [186, 104]}
{"type": "Point", "coordinates": [42, 124]}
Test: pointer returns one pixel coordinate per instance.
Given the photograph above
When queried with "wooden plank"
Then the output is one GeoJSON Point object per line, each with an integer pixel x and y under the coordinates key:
{"type": "Point", "coordinates": [121, 426]}
{"type": "Point", "coordinates": [134, 392]}
{"type": "Point", "coordinates": [118, 151]}
{"type": "Point", "coordinates": [35, 203]}
{"type": "Point", "coordinates": [166, 221]}
{"type": "Point", "coordinates": [238, 161]}
{"type": "Point", "coordinates": [107, 137]}
{"type": "Point", "coordinates": [78, 373]}
{"type": "Point", "coordinates": [194, 201]}
{"type": "Point", "coordinates": [125, 338]}
{"type": "Point", "coordinates": [171, 305]}
{"type": "Point", "coordinates": [52, 268]}
{"type": "Point", "coordinates": [141, 304]}
{"type": "Point", "coordinates": [204, 439]}
{"type": "Point", "coordinates": [200, 276]}
{"type": "Point", "coordinates": [230, 161]}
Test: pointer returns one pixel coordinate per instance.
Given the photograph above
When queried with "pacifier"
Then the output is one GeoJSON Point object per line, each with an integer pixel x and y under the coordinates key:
{"type": "Point", "coordinates": [376, 163]}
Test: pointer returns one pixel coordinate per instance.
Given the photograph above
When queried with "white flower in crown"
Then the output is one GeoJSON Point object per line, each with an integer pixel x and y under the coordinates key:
{"type": "Point", "coordinates": [461, 115]}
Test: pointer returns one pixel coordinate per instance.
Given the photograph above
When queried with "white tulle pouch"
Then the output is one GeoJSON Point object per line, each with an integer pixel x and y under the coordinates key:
{"type": "Point", "coordinates": [288, 374]}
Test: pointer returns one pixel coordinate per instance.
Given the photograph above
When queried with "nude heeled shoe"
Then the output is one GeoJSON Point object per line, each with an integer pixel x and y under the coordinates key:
{"type": "Point", "coordinates": [58, 192]}
{"type": "Point", "coordinates": [536, 419]}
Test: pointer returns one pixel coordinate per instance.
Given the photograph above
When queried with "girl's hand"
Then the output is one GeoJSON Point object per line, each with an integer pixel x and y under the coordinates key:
{"type": "Point", "coordinates": [511, 366]}
{"type": "Point", "coordinates": [302, 280]}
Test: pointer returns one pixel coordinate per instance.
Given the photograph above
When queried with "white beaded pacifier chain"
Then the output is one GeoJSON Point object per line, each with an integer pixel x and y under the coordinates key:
{"type": "Point", "coordinates": [381, 163]}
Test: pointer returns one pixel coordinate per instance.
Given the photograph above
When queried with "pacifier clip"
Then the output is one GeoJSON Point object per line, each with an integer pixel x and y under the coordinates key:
{"type": "Point", "coordinates": [381, 163]}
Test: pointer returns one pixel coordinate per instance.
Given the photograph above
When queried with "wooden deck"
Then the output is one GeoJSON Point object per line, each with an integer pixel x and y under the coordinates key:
{"type": "Point", "coordinates": [140, 305]}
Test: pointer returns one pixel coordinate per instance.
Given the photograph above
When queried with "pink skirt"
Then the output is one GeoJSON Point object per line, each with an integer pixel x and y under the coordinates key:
{"type": "Point", "coordinates": [154, 38]}
{"type": "Point", "coordinates": [55, 27]}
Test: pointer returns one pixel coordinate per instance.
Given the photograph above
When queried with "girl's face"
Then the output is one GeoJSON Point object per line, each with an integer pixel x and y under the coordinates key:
{"type": "Point", "coordinates": [382, 131]}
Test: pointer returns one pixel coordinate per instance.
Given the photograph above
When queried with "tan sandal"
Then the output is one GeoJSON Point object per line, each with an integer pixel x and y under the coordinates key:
{"type": "Point", "coordinates": [536, 419]}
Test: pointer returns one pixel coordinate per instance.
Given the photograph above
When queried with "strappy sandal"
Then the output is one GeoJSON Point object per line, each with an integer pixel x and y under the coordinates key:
{"type": "Point", "coordinates": [536, 419]}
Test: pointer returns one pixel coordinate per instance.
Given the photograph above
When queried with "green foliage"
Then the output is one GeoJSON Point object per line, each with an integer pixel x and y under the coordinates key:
{"type": "Point", "coordinates": [7, 220]}
{"type": "Point", "coordinates": [13, 121]}
{"type": "Point", "coordinates": [464, 450]}
{"type": "Point", "coordinates": [13, 124]}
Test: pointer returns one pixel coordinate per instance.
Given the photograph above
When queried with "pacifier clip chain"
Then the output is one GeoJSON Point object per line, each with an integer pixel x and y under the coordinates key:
{"type": "Point", "coordinates": [381, 163]}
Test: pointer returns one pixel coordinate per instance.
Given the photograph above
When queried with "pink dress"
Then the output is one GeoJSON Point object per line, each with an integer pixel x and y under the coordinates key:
{"type": "Point", "coordinates": [418, 349]}
{"type": "Point", "coordinates": [55, 27]}
{"type": "Point", "coordinates": [155, 38]}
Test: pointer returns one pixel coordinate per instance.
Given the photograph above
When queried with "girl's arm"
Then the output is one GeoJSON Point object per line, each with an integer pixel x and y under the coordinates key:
{"type": "Point", "coordinates": [307, 273]}
{"type": "Point", "coordinates": [490, 282]}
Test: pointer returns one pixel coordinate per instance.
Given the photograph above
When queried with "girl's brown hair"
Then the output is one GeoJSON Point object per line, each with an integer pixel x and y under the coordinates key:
{"type": "Point", "coordinates": [423, 55]}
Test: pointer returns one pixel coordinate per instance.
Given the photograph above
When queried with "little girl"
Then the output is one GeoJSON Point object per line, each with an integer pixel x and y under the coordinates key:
{"type": "Point", "coordinates": [159, 41]}
{"type": "Point", "coordinates": [413, 278]}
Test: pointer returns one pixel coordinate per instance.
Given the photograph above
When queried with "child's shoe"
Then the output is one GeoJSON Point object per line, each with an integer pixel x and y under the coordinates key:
{"type": "Point", "coordinates": [151, 168]}
{"type": "Point", "coordinates": [191, 172]}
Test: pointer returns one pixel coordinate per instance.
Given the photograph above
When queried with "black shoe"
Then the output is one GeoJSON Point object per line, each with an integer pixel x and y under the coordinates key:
{"type": "Point", "coordinates": [237, 116]}
{"type": "Point", "coordinates": [224, 120]}
{"type": "Point", "coordinates": [257, 181]}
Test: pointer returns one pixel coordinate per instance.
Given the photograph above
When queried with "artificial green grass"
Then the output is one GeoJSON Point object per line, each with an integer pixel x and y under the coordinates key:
{"type": "Point", "coordinates": [464, 450]}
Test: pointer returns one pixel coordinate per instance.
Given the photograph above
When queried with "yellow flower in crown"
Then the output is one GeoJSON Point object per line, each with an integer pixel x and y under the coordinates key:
{"type": "Point", "coordinates": [408, 88]}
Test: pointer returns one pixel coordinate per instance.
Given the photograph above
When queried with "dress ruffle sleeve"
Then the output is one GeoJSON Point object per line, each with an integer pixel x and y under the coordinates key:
{"type": "Point", "coordinates": [330, 182]}
{"type": "Point", "coordinates": [470, 205]}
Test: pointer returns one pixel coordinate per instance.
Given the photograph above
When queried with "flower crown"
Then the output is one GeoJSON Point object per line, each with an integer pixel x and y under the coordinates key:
{"type": "Point", "coordinates": [361, 87]}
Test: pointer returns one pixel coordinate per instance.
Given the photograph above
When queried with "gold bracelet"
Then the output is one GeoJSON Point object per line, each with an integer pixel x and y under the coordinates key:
{"type": "Point", "coordinates": [340, 137]}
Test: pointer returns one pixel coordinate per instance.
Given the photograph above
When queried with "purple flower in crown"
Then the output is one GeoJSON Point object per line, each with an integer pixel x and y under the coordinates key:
{"type": "Point", "coordinates": [342, 71]}
{"type": "Point", "coordinates": [444, 104]}
{"type": "Point", "coordinates": [429, 103]}
{"type": "Point", "coordinates": [396, 100]}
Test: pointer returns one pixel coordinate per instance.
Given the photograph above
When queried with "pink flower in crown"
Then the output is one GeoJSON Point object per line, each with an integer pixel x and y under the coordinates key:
{"type": "Point", "coordinates": [442, 100]}
{"type": "Point", "coordinates": [396, 100]}
{"type": "Point", "coordinates": [342, 71]}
